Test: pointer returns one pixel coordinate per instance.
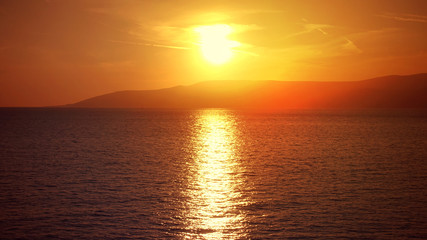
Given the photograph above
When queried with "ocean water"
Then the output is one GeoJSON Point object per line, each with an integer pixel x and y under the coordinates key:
{"type": "Point", "coordinates": [212, 174]}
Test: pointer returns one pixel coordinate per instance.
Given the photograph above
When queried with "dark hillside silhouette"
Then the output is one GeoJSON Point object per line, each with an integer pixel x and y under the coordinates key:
{"type": "Point", "coordinates": [384, 92]}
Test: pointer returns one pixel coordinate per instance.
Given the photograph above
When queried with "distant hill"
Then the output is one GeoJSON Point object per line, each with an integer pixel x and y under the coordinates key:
{"type": "Point", "coordinates": [383, 92]}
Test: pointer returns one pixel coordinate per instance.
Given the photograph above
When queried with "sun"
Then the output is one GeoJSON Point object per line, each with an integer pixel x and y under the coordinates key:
{"type": "Point", "coordinates": [214, 44]}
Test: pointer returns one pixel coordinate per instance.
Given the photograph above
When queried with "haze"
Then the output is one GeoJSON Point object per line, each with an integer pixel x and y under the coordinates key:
{"type": "Point", "coordinates": [60, 52]}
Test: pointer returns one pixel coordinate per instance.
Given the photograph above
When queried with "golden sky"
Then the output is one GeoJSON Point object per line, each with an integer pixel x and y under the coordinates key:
{"type": "Point", "coordinates": [61, 51]}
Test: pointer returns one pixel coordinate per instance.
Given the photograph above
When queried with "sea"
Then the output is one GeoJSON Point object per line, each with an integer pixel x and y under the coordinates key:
{"type": "Point", "coordinates": [212, 174]}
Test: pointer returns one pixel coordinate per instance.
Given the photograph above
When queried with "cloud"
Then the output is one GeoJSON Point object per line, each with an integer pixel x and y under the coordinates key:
{"type": "Point", "coordinates": [311, 27]}
{"type": "Point", "coordinates": [335, 47]}
{"type": "Point", "coordinates": [149, 44]}
{"type": "Point", "coordinates": [256, 11]}
{"type": "Point", "coordinates": [405, 17]}
{"type": "Point", "coordinates": [375, 32]}
{"type": "Point", "coordinates": [181, 38]}
{"type": "Point", "coordinates": [239, 28]}
{"type": "Point", "coordinates": [349, 47]}
{"type": "Point", "coordinates": [340, 46]}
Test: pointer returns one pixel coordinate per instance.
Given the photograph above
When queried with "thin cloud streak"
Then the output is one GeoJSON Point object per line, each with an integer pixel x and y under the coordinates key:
{"type": "Point", "coordinates": [310, 27]}
{"type": "Point", "coordinates": [351, 46]}
{"type": "Point", "coordinates": [150, 45]}
{"type": "Point", "coordinates": [405, 17]}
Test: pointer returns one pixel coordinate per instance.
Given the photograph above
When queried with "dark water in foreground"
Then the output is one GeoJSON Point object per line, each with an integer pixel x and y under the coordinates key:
{"type": "Point", "coordinates": [212, 174]}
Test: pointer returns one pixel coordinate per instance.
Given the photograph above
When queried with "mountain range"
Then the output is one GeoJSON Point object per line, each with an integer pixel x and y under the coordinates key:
{"type": "Point", "coordinates": [395, 91]}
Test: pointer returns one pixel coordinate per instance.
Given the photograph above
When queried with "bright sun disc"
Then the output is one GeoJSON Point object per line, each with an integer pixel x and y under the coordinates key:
{"type": "Point", "coordinates": [214, 43]}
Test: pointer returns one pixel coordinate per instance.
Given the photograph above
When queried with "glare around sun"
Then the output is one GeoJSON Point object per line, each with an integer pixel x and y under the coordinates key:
{"type": "Point", "coordinates": [215, 46]}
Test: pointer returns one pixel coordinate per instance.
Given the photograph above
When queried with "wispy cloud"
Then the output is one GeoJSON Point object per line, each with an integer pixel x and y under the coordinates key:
{"type": "Point", "coordinates": [315, 27]}
{"type": "Point", "coordinates": [335, 47]}
{"type": "Point", "coordinates": [257, 11]}
{"type": "Point", "coordinates": [375, 32]}
{"type": "Point", "coordinates": [310, 27]}
{"type": "Point", "coordinates": [182, 38]}
{"type": "Point", "coordinates": [339, 46]}
{"type": "Point", "coordinates": [349, 47]}
{"type": "Point", "coordinates": [405, 17]}
{"type": "Point", "coordinates": [150, 44]}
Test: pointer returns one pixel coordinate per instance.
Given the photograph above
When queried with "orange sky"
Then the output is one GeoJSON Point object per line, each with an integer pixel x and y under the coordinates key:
{"type": "Point", "coordinates": [56, 52]}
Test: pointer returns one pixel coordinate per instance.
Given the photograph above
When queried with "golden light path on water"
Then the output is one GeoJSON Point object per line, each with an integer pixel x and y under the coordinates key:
{"type": "Point", "coordinates": [216, 182]}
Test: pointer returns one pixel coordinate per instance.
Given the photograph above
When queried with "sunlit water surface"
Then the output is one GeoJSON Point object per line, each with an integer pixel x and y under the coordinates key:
{"type": "Point", "coordinates": [212, 174]}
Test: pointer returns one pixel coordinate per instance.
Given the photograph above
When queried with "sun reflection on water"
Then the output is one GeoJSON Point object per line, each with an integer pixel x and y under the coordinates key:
{"type": "Point", "coordinates": [215, 181]}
